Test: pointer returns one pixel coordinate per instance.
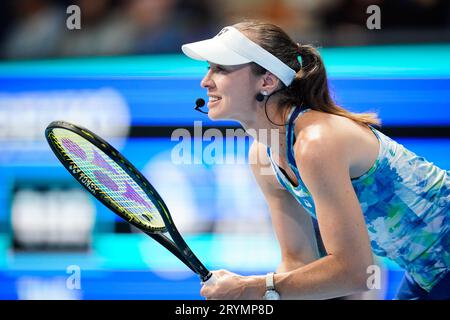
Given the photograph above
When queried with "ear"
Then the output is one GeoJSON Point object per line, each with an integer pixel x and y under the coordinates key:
{"type": "Point", "coordinates": [270, 82]}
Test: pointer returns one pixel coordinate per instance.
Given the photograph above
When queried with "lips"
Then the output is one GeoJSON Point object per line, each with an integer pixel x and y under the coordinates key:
{"type": "Point", "coordinates": [213, 100]}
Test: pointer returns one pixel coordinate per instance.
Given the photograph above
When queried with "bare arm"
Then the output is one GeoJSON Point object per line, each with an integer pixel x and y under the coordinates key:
{"type": "Point", "coordinates": [293, 225]}
{"type": "Point", "coordinates": [323, 160]}
{"type": "Point", "coordinates": [324, 166]}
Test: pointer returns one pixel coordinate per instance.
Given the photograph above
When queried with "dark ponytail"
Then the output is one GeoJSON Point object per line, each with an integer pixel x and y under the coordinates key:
{"type": "Point", "coordinates": [310, 86]}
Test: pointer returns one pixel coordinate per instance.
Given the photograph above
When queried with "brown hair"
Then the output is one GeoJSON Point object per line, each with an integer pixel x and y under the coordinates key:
{"type": "Point", "coordinates": [310, 86]}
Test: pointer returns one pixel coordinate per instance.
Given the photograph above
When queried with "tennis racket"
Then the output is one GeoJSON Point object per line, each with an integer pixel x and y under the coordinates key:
{"type": "Point", "coordinates": [116, 183]}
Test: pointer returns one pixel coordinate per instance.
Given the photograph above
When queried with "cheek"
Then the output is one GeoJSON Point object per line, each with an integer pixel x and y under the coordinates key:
{"type": "Point", "coordinates": [242, 95]}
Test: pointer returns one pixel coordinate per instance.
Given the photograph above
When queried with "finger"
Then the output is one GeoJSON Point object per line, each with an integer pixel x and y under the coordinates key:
{"type": "Point", "coordinates": [204, 291]}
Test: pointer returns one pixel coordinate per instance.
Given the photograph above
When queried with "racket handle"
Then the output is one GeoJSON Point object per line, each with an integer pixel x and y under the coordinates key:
{"type": "Point", "coordinates": [211, 280]}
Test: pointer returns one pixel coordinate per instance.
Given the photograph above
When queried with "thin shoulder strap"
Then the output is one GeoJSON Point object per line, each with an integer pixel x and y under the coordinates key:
{"type": "Point", "coordinates": [290, 134]}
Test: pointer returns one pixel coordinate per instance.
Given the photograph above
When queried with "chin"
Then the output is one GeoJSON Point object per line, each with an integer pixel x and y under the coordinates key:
{"type": "Point", "coordinates": [218, 117]}
{"type": "Point", "coordinates": [215, 114]}
{"type": "Point", "coordinates": [220, 113]}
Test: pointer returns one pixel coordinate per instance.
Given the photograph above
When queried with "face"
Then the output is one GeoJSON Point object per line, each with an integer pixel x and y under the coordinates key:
{"type": "Point", "coordinates": [231, 91]}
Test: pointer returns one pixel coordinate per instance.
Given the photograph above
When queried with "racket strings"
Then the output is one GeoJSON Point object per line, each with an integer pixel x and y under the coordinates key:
{"type": "Point", "coordinates": [114, 183]}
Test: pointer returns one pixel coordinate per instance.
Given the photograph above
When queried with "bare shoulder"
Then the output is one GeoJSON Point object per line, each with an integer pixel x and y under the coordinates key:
{"type": "Point", "coordinates": [320, 134]}
{"type": "Point", "coordinates": [335, 139]}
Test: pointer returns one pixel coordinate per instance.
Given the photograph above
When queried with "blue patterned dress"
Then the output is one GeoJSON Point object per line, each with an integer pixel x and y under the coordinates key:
{"type": "Point", "coordinates": [406, 205]}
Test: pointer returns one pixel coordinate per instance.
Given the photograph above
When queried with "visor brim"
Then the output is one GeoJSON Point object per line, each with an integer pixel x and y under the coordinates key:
{"type": "Point", "coordinates": [213, 51]}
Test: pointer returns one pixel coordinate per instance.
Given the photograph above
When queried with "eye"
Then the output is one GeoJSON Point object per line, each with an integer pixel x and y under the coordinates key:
{"type": "Point", "coordinates": [217, 69]}
{"type": "Point", "coordinates": [221, 69]}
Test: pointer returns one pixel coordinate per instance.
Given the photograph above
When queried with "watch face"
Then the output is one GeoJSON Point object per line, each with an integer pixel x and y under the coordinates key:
{"type": "Point", "coordinates": [272, 295]}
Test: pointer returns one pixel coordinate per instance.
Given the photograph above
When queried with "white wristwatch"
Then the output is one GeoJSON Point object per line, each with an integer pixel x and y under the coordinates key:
{"type": "Point", "coordinates": [271, 293]}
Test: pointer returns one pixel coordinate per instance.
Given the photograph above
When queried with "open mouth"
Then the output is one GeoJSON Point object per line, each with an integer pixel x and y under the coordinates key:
{"type": "Point", "coordinates": [213, 100]}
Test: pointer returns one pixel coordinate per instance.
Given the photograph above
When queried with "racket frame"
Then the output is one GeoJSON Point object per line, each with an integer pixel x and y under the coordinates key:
{"type": "Point", "coordinates": [178, 246]}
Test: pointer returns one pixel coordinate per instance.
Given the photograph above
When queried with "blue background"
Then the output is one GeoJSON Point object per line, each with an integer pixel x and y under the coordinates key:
{"type": "Point", "coordinates": [160, 91]}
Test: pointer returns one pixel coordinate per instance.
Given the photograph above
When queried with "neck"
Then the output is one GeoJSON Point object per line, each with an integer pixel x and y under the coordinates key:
{"type": "Point", "coordinates": [270, 133]}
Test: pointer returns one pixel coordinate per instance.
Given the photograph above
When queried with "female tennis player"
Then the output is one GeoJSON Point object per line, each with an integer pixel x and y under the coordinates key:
{"type": "Point", "coordinates": [367, 192]}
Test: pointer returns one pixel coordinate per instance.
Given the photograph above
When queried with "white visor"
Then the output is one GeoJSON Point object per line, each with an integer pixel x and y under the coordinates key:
{"type": "Point", "coordinates": [230, 47]}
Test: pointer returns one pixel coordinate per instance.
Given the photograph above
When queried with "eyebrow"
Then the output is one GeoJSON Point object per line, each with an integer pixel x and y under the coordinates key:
{"type": "Point", "coordinates": [225, 67]}
{"type": "Point", "coordinates": [217, 65]}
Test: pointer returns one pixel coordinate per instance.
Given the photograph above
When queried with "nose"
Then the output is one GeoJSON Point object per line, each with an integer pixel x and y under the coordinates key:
{"type": "Point", "coordinates": [207, 82]}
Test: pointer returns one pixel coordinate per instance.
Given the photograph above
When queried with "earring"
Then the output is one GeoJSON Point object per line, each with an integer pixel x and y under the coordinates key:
{"type": "Point", "coordinates": [261, 95]}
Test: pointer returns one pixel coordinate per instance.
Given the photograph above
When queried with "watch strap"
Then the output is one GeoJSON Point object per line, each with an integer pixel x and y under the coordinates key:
{"type": "Point", "coordinates": [270, 283]}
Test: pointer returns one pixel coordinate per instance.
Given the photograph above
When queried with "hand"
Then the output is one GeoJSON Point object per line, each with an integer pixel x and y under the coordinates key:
{"type": "Point", "coordinates": [231, 286]}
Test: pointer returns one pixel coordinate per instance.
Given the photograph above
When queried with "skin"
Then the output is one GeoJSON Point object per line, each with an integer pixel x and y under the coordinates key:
{"type": "Point", "coordinates": [329, 151]}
